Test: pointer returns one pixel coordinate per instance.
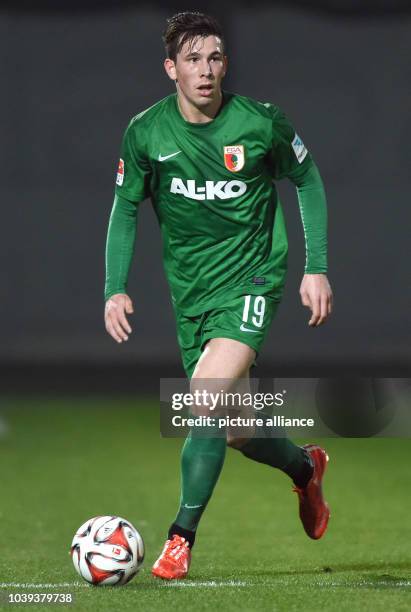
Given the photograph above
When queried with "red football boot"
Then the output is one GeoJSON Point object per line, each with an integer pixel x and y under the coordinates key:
{"type": "Point", "coordinates": [314, 510]}
{"type": "Point", "coordinates": [174, 561]}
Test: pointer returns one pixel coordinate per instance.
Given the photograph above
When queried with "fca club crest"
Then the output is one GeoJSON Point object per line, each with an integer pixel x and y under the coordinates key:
{"type": "Point", "coordinates": [234, 157]}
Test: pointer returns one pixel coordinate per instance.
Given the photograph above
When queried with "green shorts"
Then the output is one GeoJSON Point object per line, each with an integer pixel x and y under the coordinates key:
{"type": "Point", "coordinates": [246, 318]}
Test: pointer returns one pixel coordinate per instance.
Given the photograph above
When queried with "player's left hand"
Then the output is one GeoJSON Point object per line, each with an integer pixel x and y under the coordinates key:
{"type": "Point", "coordinates": [316, 294]}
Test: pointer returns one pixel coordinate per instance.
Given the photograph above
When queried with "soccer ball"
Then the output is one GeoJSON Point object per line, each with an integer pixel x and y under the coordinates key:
{"type": "Point", "coordinates": [107, 550]}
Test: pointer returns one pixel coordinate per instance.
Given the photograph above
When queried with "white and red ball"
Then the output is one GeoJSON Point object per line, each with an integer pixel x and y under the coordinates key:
{"type": "Point", "coordinates": [107, 550]}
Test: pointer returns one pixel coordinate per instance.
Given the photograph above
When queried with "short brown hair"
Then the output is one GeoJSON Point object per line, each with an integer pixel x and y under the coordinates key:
{"type": "Point", "coordinates": [188, 26]}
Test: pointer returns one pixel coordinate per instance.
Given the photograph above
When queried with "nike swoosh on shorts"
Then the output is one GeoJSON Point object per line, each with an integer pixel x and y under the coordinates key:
{"type": "Point", "coordinates": [246, 329]}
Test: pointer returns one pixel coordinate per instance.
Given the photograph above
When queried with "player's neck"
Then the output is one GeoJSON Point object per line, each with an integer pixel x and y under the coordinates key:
{"type": "Point", "coordinates": [193, 114]}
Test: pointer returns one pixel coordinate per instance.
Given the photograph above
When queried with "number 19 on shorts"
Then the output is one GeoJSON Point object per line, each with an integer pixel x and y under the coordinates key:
{"type": "Point", "coordinates": [254, 310]}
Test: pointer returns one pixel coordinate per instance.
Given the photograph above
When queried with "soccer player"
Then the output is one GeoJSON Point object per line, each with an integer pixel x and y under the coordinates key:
{"type": "Point", "coordinates": [207, 158]}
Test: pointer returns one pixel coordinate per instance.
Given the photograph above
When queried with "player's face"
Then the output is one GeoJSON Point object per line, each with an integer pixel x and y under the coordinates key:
{"type": "Point", "coordinates": [198, 70]}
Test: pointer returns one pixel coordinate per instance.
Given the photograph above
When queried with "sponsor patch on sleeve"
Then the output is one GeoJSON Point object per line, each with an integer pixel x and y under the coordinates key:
{"type": "Point", "coordinates": [120, 172]}
{"type": "Point", "coordinates": [299, 148]}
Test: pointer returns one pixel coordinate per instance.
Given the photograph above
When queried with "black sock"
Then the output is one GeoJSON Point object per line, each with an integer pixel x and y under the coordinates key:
{"type": "Point", "coordinates": [188, 535]}
{"type": "Point", "coordinates": [302, 478]}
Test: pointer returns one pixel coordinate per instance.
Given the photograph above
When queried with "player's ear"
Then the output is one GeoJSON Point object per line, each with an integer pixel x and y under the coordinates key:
{"type": "Point", "coordinates": [170, 68]}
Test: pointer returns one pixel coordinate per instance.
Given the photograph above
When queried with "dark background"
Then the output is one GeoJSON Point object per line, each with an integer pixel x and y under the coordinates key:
{"type": "Point", "coordinates": [72, 79]}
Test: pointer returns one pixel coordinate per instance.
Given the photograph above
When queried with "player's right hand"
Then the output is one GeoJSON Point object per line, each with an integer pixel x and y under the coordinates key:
{"type": "Point", "coordinates": [117, 306]}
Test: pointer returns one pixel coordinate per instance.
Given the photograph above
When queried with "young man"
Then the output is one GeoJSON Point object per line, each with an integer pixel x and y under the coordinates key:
{"type": "Point", "coordinates": [207, 159]}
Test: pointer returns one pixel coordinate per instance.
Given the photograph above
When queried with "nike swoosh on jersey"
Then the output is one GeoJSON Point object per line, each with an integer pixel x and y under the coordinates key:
{"type": "Point", "coordinates": [164, 157]}
{"type": "Point", "coordinates": [243, 328]}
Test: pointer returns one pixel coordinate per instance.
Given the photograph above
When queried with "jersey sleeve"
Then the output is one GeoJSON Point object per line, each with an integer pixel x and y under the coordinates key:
{"type": "Point", "coordinates": [313, 210]}
{"type": "Point", "coordinates": [120, 244]}
{"type": "Point", "coordinates": [134, 169]}
{"type": "Point", "coordinates": [289, 156]}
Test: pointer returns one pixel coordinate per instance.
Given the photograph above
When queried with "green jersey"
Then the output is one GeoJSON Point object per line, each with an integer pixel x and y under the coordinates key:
{"type": "Point", "coordinates": [212, 189]}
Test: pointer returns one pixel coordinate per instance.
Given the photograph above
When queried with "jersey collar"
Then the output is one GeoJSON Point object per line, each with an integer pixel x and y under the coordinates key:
{"type": "Point", "coordinates": [201, 126]}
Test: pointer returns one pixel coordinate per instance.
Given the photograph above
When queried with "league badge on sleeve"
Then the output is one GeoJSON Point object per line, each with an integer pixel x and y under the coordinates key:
{"type": "Point", "coordinates": [234, 157]}
{"type": "Point", "coordinates": [299, 148]}
{"type": "Point", "coordinates": [120, 172]}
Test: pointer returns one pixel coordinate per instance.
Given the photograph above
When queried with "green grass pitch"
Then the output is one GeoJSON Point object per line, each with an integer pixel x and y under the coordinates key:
{"type": "Point", "coordinates": [65, 460]}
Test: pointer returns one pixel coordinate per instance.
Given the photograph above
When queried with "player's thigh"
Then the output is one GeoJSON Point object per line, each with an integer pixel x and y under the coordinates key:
{"type": "Point", "coordinates": [231, 338]}
{"type": "Point", "coordinates": [224, 358]}
{"type": "Point", "coordinates": [233, 335]}
{"type": "Point", "coordinates": [222, 373]}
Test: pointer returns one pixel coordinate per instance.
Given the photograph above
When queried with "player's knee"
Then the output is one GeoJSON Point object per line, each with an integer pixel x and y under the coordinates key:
{"type": "Point", "coordinates": [205, 394]}
{"type": "Point", "coordinates": [236, 442]}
